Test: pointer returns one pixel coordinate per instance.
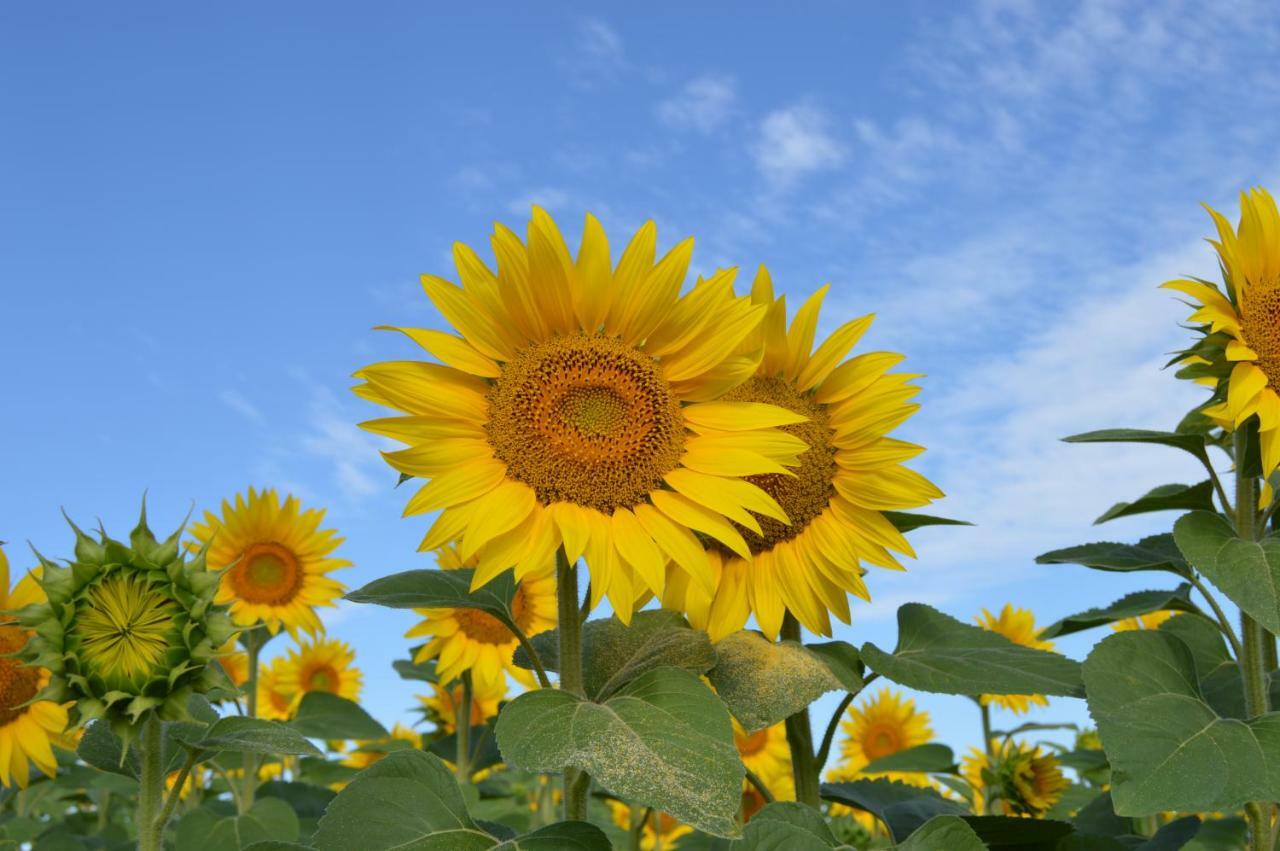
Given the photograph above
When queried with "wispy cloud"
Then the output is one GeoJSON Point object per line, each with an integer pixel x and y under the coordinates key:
{"type": "Point", "coordinates": [703, 104]}
{"type": "Point", "coordinates": [351, 453]}
{"type": "Point", "coordinates": [548, 197]}
{"type": "Point", "coordinates": [796, 142]}
{"type": "Point", "coordinates": [597, 55]}
{"type": "Point", "coordinates": [242, 406]}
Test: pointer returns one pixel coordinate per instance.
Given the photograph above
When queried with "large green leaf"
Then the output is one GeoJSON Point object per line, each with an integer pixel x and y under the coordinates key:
{"type": "Point", "coordinates": [615, 653]}
{"type": "Point", "coordinates": [1157, 552]}
{"type": "Point", "coordinates": [1246, 571]}
{"type": "Point", "coordinates": [943, 832]}
{"type": "Point", "coordinates": [322, 715]}
{"type": "Point", "coordinates": [843, 660]}
{"type": "Point", "coordinates": [1128, 606]}
{"type": "Point", "coordinates": [429, 589]}
{"type": "Point", "coordinates": [1164, 498]}
{"type": "Point", "coordinates": [902, 808]}
{"type": "Point", "coordinates": [663, 741]}
{"type": "Point", "coordinates": [938, 653]}
{"type": "Point", "coordinates": [561, 836]}
{"type": "Point", "coordinates": [1187, 442]}
{"type": "Point", "coordinates": [1018, 834]}
{"type": "Point", "coordinates": [786, 826]}
{"type": "Point", "coordinates": [763, 682]}
{"type": "Point", "coordinates": [932, 757]}
{"type": "Point", "coordinates": [253, 735]}
{"type": "Point", "coordinates": [268, 820]}
{"type": "Point", "coordinates": [1163, 739]}
{"type": "Point", "coordinates": [104, 750]}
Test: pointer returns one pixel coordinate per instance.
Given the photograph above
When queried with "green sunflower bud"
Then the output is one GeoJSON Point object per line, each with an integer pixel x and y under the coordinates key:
{"type": "Point", "coordinates": [128, 630]}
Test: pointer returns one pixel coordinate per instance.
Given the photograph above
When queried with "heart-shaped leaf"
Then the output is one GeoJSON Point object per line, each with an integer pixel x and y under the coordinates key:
{"type": "Point", "coordinates": [322, 715]}
{"type": "Point", "coordinates": [949, 832]}
{"type": "Point", "coordinates": [1248, 572]}
{"type": "Point", "coordinates": [763, 682]}
{"type": "Point", "coordinates": [902, 808]}
{"type": "Point", "coordinates": [253, 735]}
{"type": "Point", "coordinates": [1129, 606]}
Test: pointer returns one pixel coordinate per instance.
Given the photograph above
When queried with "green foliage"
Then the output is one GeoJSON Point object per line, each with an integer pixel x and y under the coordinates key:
{"type": "Point", "coordinates": [664, 740]}
{"type": "Point", "coordinates": [1157, 552]}
{"type": "Point", "coordinates": [786, 826]}
{"type": "Point", "coordinates": [1164, 498]}
{"type": "Point", "coordinates": [938, 653]}
{"type": "Point", "coordinates": [902, 808]}
{"type": "Point", "coordinates": [1193, 443]}
{"type": "Point", "coordinates": [1248, 572]}
{"type": "Point", "coordinates": [932, 757]}
{"type": "Point", "coordinates": [950, 832]}
{"type": "Point", "coordinates": [322, 715]}
{"type": "Point", "coordinates": [251, 735]}
{"type": "Point", "coordinates": [269, 819]}
{"type": "Point", "coordinates": [427, 589]}
{"type": "Point", "coordinates": [763, 682]}
{"type": "Point", "coordinates": [1128, 606]}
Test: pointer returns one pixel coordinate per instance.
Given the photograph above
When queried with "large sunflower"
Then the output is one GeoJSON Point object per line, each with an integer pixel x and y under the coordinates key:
{"type": "Point", "coordinates": [850, 474]}
{"type": "Point", "coordinates": [575, 410]}
{"type": "Point", "coordinates": [472, 640]}
{"type": "Point", "coordinates": [279, 558]}
{"type": "Point", "coordinates": [27, 730]}
{"type": "Point", "coordinates": [1240, 353]}
{"type": "Point", "coordinates": [325, 664]}
{"type": "Point", "coordinates": [1019, 626]}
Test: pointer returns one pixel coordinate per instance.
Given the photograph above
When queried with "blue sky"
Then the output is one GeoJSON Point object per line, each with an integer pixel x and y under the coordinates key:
{"type": "Point", "coordinates": [205, 210]}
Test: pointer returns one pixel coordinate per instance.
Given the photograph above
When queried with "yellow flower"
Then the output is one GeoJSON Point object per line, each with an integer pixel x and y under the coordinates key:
{"type": "Point", "coordinates": [27, 730]}
{"type": "Point", "coordinates": [274, 702]}
{"type": "Point", "coordinates": [1019, 626]}
{"type": "Point", "coordinates": [765, 752]}
{"type": "Point", "coordinates": [1241, 355]}
{"type": "Point", "coordinates": [1027, 781]}
{"type": "Point", "coordinates": [234, 663]}
{"type": "Point", "coordinates": [441, 706]}
{"type": "Point", "coordinates": [472, 640]}
{"type": "Point", "coordinates": [575, 410]}
{"type": "Point", "coordinates": [1151, 620]}
{"type": "Point", "coordinates": [369, 751]}
{"type": "Point", "coordinates": [279, 557]}
{"type": "Point", "coordinates": [851, 473]}
{"type": "Point", "coordinates": [325, 664]}
{"type": "Point", "coordinates": [660, 831]}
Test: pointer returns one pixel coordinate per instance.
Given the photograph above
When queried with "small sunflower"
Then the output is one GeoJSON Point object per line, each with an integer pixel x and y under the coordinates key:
{"type": "Point", "coordinates": [274, 702]}
{"type": "Point", "coordinates": [1151, 620]}
{"type": "Point", "coordinates": [369, 751]}
{"type": "Point", "coordinates": [27, 729]}
{"type": "Point", "coordinates": [471, 640]}
{"type": "Point", "coordinates": [279, 560]}
{"type": "Point", "coordinates": [576, 411]}
{"type": "Point", "coordinates": [1019, 626]}
{"type": "Point", "coordinates": [234, 663]}
{"type": "Point", "coordinates": [325, 664]}
{"type": "Point", "coordinates": [660, 831]}
{"type": "Point", "coordinates": [850, 473]}
{"type": "Point", "coordinates": [765, 752]}
{"type": "Point", "coordinates": [1027, 781]}
{"type": "Point", "coordinates": [441, 706]}
{"type": "Point", "coordinates": [1239, 354]}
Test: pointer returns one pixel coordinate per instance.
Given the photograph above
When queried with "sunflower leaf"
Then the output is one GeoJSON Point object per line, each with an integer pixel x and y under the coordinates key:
{"type": "Point", "coordinates": [1191, 443]}
{"type": "Point", "coordinates": [906, 521]}
{"type": "Point", "coordinates": [269, 823]}
{"type": "Point", "coordinates": [252, 735]}
{"type": "Point", "coordinates": [1129, 606]}
{"type": "Point", "coordinates": [322, 715]}
{"type": "Point", "coordinates": [842, 659]}
{"type": "Point", "coordinates": [764, 683]}
{"type": "Point", "coordinates": [1164, 498]}
{"type": "Point", "coordinates": [950, 832]}
{"type": "Point", "coordinates": [441, 589]}
{"type": "Point", "coordinates": [932, 757]}
{"type": "Point", "coordinates": [786, 824]}
{"type": "Point", "coordinates": [1157, 552]}
{"type": "Point", "coordinates": [938, 653]}
{"type": "Point", "coordinates": [1248, 572]}
{"type": "Point", "coordinates": [1162, 738]}
{"type": "Point", "coordinates": [664, 741]}
{"type": "Point", "coordinates": [902, 808]}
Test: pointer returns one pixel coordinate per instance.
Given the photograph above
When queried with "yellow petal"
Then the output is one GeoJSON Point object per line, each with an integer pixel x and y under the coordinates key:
{"type": "Point", "coordinates": [457, 486]}
{"type": "Point", "coordinates": [465, 314]}
{"type": "Point", "coordinates": [1247, 382]}
{"type": "Point", "coordinates": [715, 492]}
{"type": "Point", "coordinates": [831, 352]}
{"type": "Point", "coordinates": [593, 275]}
{"type": "Point", "coordinates": [695, 516]}
{"type": "Point", "coordinates": [800, 335]}
{"type": "Point", "coordinates": [855, 375]}
{"type": "Point", "coordinates": [637, 549]}
{"type": "Point", "coordinates": [451, 350]}
{"type": "Point", "coordinates": [574, 523]}
{"type": "Point", "coordinates": [730, 462]}
{"type": "Point", "coordinates": [678, 543]}
{"type": "Point", "coordinates": [499, 511]}
{"type": "Point", "coordinates": [737, 416]}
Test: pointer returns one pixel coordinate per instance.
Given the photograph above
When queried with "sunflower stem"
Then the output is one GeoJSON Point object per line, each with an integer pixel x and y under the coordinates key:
{"type": "Point", "coordinates": [171, 801]}
{"type": "Point", "coordinates": [1253, 662]}
{"type": "Point", "coordinates": [253, 642]}
{"type": "Point", "coordinates": [150, 785]}
{"type": "Point", "coordinates": [463, 724]}
{"type": "Point", "coordinates": [987, 797]}
{"type": "Point", "coordinates": [577, 784]}
{"type": "Point", "coordinates": [804, 767]}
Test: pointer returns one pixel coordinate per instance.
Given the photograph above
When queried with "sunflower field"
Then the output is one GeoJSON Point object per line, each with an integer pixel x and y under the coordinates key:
{"type": "Point", "coordinates": [647, 498]}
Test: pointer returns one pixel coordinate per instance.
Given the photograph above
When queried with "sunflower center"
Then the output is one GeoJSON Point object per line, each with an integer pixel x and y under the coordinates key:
{"type": "Point", "coordinates": [124, 627]}
{"type": "Point", "coordinates": [485, 628]}
{"type": "Point", "coordinates": [880, 742]}
{"type": "Point", "coordinates": [585, 419]}
{"type": "Point", "coordinates": [266, 574]}
{"type": "Point", "coordinates": [1261, 325]}
{"type": "Point", "coordinates": [806, 494]}
{"type": "Point", "coordinates": [18, 683]}
{"type": "Point", "coordinates": [322, 678]}
{"type": "Point", "coordinates": [751, 744]}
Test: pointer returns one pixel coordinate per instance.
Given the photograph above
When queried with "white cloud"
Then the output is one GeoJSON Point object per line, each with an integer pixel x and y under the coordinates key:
{"type": "Point", "coordinates": [597, 56]}
{"type": "Point", "coordinates": [796, 142]}
{"type": "Point", "coordinates": [547, 197]}
{"type": "Point", "coordinates": [352, 453]}
{"type": "Point", "coordinates": [242, 406]}
{"type": "Point", "coordinates": [704, 104]}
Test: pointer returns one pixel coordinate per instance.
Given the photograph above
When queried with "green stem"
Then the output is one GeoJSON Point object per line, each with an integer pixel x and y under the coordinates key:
{"type": "Point", "coordinates": [171, 801]}
{"type": "Point", "coordinates": [577, 783]}
{"type": "Point", "coordinates": [988, 801]}
{"type": "Point", "coordinates": [253, 647]}
{"type": "Point", "coordinates": [636, 818]}
{"type": "Point", "coordinates": [462, 763]}
{"type": "Point", "coordinates": [1253, 662]}
{"type": "Point", "coordinates": [1224, 623]}
{"type": "Point", "coordinates": [543, 679]}
{"type": "Point", "coordinates": [150, 784]}
{"type": "Point", "coordinates": [804, 767]}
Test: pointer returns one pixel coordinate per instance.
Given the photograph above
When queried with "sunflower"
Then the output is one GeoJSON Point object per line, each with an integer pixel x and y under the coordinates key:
{"type": "Point", "coordinates": [472, 640]}
{"type": "Point", "coordinates": [234, 663]}
{"type": "Point", "coordinates": [369, 751]}
{"type": "Point", "coordinates": [441, 706]}
{"type": "Point", "coordinates": [1027, 781]}
{"type": "Point", "coordinates": [279, 558]}
{"type": "Point", "coordinates": [325, 664]}
{"type": "Point", "coordinates": [274, 702]}
{"type": "Point", "coordinates": [576, 412]}
{"type": "Point", "coordinates": [849, 474]}
{"type": "Point", "coordinates": [765, 752]}
{"type": "Point", "coordinates": [1019, 626]}
{"type": "Point", "coordinates": [1151, 620]}
{"type": "Point", "coordinates": [660, 830]}
{"type": "Point", "coordinates": [1240, 353]}
{"type": "Point", "coordinates": [27, 729]}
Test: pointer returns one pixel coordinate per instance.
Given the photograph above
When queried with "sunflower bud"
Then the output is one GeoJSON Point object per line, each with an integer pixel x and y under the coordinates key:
{"type": "Point", "coordinates": [1030, 782]}
{"type": "Point", "coordinates": [128, 630]}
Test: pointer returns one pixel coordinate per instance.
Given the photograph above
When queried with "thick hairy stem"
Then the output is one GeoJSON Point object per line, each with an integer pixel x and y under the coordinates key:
{"type": "Point", "coordinates": [193, 756]}
{"type": "Point", "coordinates": [576, 783]}
{"type": "Point", "coordinates": [988, 800]}
{"type": "Point", "coordinates": [463, 731]}
{"type": "Point", "coordinates": [150, 785]}
{"type": "Point", "coordinates": [253, 648]}
{"type": "Point", "coordinates": [804, 767]}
